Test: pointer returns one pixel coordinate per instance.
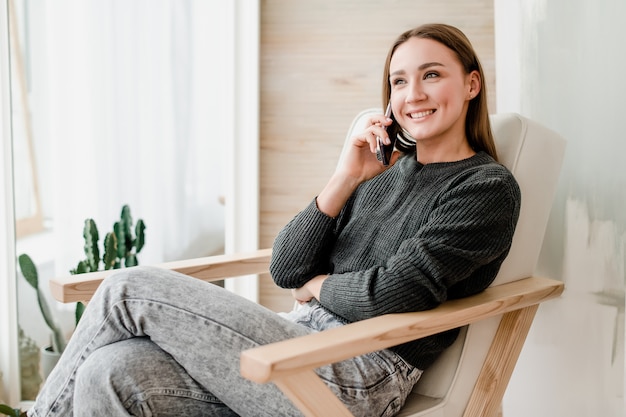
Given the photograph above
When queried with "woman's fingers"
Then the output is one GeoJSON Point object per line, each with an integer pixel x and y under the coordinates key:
{"type": "Point", "coordinates": [360, 159]}
{"type": "Point", "coordinates": [375, 129]}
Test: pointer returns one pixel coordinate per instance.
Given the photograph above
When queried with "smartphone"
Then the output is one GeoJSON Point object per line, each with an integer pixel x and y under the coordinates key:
{"type": "Point", "coordinates": [383, 152]}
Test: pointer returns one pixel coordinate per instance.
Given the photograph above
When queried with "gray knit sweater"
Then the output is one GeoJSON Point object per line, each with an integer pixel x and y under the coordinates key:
{"type": "Point", "coordinates": [407, 240]}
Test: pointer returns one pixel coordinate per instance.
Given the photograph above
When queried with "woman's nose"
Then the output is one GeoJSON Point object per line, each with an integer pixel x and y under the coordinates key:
{"type": "Point", "coordinates": [416, 93]}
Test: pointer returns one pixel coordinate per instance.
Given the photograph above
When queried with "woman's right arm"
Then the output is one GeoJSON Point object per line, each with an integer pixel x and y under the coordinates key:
{"type": "Point", "coordinates": [302, 248]}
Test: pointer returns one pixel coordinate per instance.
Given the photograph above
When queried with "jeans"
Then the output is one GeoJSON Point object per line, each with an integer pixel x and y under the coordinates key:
{"type": "Point", "coordinates": [153, 342]}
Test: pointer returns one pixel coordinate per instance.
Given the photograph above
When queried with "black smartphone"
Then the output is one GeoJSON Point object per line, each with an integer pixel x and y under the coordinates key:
{"type": "Point", "coordinates": [383, 152]}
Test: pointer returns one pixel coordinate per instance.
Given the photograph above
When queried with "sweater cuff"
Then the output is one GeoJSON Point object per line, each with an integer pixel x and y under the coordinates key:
{"type": "Point", "coordinates": [320, 211]}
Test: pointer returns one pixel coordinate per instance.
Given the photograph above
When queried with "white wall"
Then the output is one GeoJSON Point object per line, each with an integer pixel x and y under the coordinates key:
{"type": "Point", "coordinates": [561, 62]}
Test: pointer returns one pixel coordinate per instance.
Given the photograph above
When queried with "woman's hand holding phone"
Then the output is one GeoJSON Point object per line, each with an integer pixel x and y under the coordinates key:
{"type": "Point", "coordinates": [384, 148]}
{"type": "Point", "coordinates": [358, 164]}
{"type": "Point", "coordinates": [365, 157]}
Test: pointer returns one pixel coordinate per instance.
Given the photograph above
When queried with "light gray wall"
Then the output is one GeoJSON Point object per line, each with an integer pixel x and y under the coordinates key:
{"type": "Point", "coordinates": [561, 63]}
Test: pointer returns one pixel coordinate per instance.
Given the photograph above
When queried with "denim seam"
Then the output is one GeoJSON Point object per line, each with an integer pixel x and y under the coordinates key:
{"type": "Point", "coordinates": [168, 392]}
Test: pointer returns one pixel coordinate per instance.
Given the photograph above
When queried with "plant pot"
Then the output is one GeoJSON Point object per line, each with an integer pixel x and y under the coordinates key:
{"type": "Point", "coordinates": [30, 366]}
{"type": "Point", "coordinates": [49, 359]}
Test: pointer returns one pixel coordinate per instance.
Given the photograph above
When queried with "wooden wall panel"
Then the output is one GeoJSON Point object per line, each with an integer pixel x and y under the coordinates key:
{"type": "Point", "coordinates": [321, 63]}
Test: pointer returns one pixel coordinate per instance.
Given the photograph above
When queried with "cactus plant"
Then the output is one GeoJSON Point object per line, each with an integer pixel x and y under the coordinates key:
{"type": "Point", "coordinates": [120, 246]}
{"type": "Point", "coordinates": [125, 239]}
{"type": "Point", "coordinates": [27, 266]}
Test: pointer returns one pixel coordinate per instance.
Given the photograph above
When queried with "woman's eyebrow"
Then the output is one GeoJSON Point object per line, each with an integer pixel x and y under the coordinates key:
{"type": "Point", "coordinates": [422, 67]}
{"type": "Point", "coordinates": [429, 65]}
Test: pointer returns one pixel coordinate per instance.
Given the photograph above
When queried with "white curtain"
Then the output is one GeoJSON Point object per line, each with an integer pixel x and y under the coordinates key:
{"type": "Point", "coordinates": [127, 111]}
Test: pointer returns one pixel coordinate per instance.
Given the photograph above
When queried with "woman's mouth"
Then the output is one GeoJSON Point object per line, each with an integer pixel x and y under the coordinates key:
{"type": "Point", "coordinates": [421, 114]}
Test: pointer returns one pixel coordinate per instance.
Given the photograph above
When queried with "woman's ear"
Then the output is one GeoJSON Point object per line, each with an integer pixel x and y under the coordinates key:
{"type": "Point", "coordinates": [473, 84]}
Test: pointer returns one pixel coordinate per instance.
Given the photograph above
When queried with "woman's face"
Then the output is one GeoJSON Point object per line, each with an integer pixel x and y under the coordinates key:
{"type": "Point", "coordinates": [430, 91]}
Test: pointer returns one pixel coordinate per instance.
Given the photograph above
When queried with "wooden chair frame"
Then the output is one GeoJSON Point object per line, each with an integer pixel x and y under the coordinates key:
{"type": "Point", "coordinates": [290, 364]}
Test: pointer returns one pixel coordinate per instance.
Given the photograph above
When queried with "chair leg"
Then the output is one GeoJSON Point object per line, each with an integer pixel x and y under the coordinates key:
{"type": "Point", "coordinates": [487, 396]}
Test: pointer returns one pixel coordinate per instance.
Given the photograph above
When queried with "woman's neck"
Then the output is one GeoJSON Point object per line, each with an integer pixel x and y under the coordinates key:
{"type": "Point", "coordinates": [448, 152]}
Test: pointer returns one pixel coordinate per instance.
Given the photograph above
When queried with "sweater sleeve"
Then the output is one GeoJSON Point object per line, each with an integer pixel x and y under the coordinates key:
{"type": "Point", "coordinates": [457, 251]}
{"type": "Point", "coordinates": [301, 250]}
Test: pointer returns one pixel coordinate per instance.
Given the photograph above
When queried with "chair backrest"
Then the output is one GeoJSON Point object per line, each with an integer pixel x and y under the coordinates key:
{"type": "Point", "coordinates": [534, 155]}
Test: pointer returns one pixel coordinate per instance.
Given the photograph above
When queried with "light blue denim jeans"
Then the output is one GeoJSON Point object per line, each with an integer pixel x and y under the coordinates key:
{"type": "Point", "coordinates": [153, 342]}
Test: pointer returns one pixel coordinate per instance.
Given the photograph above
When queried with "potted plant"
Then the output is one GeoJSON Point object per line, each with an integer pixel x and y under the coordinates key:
{"type": "Point", "coordinates": [121, 247]}
{"type": "Point", "coordinates": [49, 354]}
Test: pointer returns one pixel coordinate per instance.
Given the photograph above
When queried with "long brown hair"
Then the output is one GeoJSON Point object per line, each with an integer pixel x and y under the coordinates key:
{"type": "Point", "coordinates": [477, 126]}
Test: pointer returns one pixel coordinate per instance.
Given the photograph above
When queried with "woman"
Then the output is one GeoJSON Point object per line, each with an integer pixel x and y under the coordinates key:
{"type": "Point", "coordinates": [435, 224]}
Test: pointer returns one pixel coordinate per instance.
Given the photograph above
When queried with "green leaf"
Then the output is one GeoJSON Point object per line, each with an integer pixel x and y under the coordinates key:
{"type": "Point", "coordinates": [9, 411]}
{"type": "Point", "coordinates": [78, 313]}
{"type": "Point", "coordinates": [140, 235]}
{"type": "Point", "coordinates": [90, 233]}
{"type": "Point", "coordinates": [131, 260]}
{"type": "Point", "coordinates": [120, 234]}
{"type": "Point", "coordinates": [81, 268]}
{"type": "Point", "coordinates": [110, 250]}
{"type": "Point", "coordinates": [29, 270]}
{"type": "Point", "coordinates": [127, 224]}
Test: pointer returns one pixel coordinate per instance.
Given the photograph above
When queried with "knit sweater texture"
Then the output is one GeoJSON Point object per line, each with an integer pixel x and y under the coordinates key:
{"type": "Point", "coordinates": [407, 240]}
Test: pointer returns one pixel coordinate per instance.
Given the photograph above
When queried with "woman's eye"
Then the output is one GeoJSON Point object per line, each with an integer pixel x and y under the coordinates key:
{"type": "Point", "coordinates": [397, 81]}
{"type": "Point", "coordinates": [431, 75]}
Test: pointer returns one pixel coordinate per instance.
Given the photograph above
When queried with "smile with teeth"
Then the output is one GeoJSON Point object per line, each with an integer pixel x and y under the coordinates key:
{"type": "Point", "coordinates": [421, 114]}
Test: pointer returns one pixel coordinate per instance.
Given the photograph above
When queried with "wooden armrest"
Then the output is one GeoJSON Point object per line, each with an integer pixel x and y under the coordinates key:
{"type": "Point", "coordinates": [81, 287]}
{"type": "Point", "coordinates": [279, 360]}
